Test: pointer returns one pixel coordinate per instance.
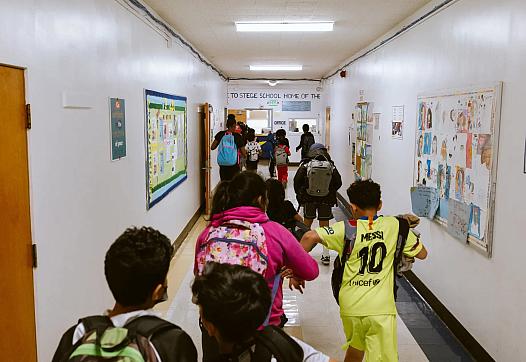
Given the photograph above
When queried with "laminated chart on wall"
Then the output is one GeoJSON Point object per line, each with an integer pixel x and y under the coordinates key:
{"type": "Point", "coordinates": [425, 201]}
{"type": "Point", "coordinates": [364, 138]}
{"type": "Point", "coordinates": [456, 154]}
{"type": "Point", "coordinates": [166, 144]}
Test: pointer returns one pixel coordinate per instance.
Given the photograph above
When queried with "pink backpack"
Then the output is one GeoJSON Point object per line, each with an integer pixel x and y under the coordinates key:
{"type": "Point", "coordinates": [235, 242]}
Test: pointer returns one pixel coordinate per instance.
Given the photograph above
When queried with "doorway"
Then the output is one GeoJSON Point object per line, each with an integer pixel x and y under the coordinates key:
{"type": "Point", "coordinates": [17, 306]}
{"type": "Point", "coordinates": [328, 128]}
{"type": "Point", "coordinates": [206, 166]}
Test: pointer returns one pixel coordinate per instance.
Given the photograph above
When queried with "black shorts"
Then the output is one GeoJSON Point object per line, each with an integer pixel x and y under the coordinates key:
{"type": "Point", "coordinates": [252, 165]}
{"type": "Point", "coordinates": [323, 211]}
{"type": "Point", "coordinates": [227, 173]}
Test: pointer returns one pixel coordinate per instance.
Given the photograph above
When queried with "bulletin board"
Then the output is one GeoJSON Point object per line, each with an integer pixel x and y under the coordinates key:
{"type": "Point", "coordinates": [166, 144]}
{"type": "Point", "coordinates": [363, 147]}
{"type": "Point", "coordinates": [456, 153]}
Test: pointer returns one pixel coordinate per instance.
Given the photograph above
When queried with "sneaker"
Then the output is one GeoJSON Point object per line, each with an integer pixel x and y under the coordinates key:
{"type": "Point", "coordinates": [325, 260]}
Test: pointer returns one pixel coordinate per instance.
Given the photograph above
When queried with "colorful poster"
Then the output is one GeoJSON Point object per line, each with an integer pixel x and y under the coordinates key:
{"type": "Point", "coordinates": [117, 128]}
{"type": "Point", "coordinates": [166, 144]}
{"type": "Point", "coordinates": [455, 152]}
{"type": "Point", "coordinates": [397, 125]}
{"type": "Point", "coordinates": [424, 201]}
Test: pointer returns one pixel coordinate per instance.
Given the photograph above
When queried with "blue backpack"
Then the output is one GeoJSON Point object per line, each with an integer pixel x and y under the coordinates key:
{"type": "Point", "coordinates": [227, 151]}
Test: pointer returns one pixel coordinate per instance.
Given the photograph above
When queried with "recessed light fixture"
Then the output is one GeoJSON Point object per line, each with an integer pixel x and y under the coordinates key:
{"type": "Point", "coordinates": [285, 26]}
{"type": "Point", "coordinates": [272, 83]}
{"type": "Point", "coordinates": [276, 67]}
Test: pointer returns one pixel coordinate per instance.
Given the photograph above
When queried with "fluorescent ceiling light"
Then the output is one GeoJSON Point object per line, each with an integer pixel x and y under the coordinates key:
{"type": "Point", "coordinates": [272, 83]}
{"type": "Point", "coordinates": [276, 67]}
{"type": "Point", "coordinates": [285, 26]}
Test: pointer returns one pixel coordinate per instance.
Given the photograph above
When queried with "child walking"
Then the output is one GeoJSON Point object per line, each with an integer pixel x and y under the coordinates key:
{"type": "Point", "coordinates": [253, 151]}
{"type": "Point", "coordinates": [282, 154]}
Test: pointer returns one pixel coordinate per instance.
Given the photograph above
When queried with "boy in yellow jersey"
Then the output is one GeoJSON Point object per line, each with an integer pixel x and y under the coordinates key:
{"type": "Point", "coordinates": [367, 306]}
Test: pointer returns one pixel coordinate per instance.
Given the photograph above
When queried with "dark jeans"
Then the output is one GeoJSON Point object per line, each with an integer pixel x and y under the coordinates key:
{"type": "Point", "coordinates": [227, 173]}
{"type": "Point", "coordinates": [272, 167]}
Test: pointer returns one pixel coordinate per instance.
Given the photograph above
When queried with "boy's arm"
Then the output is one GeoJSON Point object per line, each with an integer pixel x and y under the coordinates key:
{"type": "Point", "coordinates": [422, 254]}
{"type": "Point", "coordinates": [414, 247]}
{"type": "Point", "coordinates": [214, 145]}
{"type": "Point", "coordinates": [309, 240]}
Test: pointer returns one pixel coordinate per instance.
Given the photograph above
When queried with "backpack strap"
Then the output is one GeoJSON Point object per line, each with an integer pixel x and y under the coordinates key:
{"type": "Point", "coordinates": [275, 287]}
{"type": "Point", "coordinates": [403, 232]}
{"type": "Point", "coordinates": [148, 326]}
{"type": "Point", "coordinates": [274, 342]}
{"type": "Point", "coordinates": [99, 324]}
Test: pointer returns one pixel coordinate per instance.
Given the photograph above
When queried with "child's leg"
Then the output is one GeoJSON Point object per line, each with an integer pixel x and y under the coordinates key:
{"type": "Point", "coordinates": [324, 216]}
{"type": "Point", "coordinates": [309, 214]}
{"type": "Point", "coordinates": [354, 355]}
{"type": "Point", "coordinates": [355, 336]}
{"type": "Point", "coordinates": [381, 340]}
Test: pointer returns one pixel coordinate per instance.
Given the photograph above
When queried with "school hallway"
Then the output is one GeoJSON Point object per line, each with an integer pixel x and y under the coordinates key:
{"type": "Point", "coordinates": [314, 315]}
{"type": "Point", "coordinates": [123, 115]}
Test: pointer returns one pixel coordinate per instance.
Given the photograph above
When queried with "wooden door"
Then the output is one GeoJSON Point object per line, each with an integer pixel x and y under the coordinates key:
{"type": "Point", "coordinates": [328, 128]}
{"type": "Point", "coordinates": [17, 308]}
{"type": "Point", "coordinates": [206, 163]}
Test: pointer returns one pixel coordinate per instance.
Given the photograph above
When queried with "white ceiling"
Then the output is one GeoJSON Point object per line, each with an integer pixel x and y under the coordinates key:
{"type": "Point", "coordinates": [209, 26]}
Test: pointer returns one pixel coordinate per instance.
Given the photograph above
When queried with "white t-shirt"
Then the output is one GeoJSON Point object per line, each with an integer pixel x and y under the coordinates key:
{"type": "Point", "coordinates": [253, 149]}
{"type": "Point", "coordinates": [119, 321]}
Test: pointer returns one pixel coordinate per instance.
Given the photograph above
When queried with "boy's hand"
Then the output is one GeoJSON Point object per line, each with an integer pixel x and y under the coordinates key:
{"type": "Point", "coordinates": [296, 284]}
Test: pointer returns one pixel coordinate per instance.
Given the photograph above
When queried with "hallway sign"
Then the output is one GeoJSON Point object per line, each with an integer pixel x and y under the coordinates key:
{"type": "Point", "coordinates": [117, 129]}
{"type": "Point", "coordinates": [166, 144]}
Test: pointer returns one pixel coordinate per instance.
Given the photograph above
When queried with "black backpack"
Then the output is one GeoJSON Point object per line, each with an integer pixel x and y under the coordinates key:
{"type": "Point", "coordinates": [270, 342]}
{"type": "Point", "coordinates": [307, 143]}
{"type": "Point", "coordinates": [140, 332]}
{"type": "Point", "coordinates": [350, 237]}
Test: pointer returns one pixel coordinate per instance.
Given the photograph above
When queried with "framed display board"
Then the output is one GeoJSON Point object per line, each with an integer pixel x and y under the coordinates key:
{"type": "Point", "coordinates": [363, 148]}
{"type": "Point", "coordinates": [166, 144]}
{"type": "Point", "coordinates": [456, 154]}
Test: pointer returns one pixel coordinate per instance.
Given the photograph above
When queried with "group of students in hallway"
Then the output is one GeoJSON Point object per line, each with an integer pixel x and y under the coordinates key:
{"type": "Point", "coordinates": [249, 247]}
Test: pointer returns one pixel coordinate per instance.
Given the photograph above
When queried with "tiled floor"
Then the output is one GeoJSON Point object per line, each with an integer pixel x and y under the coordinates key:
{"type": "Point", "coordinates": [313, 316]}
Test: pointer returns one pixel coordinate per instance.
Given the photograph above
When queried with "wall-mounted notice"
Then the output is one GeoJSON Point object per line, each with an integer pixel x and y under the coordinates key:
{"type": "Point", "coordinates": [456, 153]}
{"type": "Point", "coordinates": [166, 145]}
{"type": "Point", "coordinates": [397, 125]}
{"type": "Point", "coordinates": [458, 219]}
{"type": "Point", "coordinates": [117, 128]}
{"type": "Point", "coordinates": [296, 106]}
{"type": "Point", "coordinates": [424, 201]}
{"type": "Point", "coordinates": [364, 139]}
{"type": "Point", "coordinates": [376, 118]}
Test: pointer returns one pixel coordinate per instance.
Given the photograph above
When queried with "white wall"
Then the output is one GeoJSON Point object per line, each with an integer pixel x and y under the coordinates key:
{"type": "Point", "coordinates": [81, 201]}
{"type": "Point", "coordinates": [471, 42]}
{"type": "Point", "coordinates": [278, 93]}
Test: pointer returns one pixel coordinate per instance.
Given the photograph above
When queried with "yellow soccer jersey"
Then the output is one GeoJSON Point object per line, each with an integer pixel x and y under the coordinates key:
{"type": "Point", "coordinates": [367, 287]}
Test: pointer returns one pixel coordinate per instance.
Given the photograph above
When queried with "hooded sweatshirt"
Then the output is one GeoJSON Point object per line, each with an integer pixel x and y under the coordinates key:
{"type": "Point", "coordinates": [283, 250]}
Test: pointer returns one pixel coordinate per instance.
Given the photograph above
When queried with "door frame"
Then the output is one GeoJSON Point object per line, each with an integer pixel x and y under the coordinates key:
{"type": "Point", "coordinates": [206, 164]}
{"type": "Point", "coordinates": [328, 128]}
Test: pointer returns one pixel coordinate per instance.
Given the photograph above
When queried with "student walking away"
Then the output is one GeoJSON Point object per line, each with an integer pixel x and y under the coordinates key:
{"type": "Point", "coordinates": [316, 183]}
{"type": "Point", "coordinates": [281, 155]}
{"type": "Point", "coordinates": [370, 248]}
{"type": "Point", "coordinates": [281, 135]}
{"type": "Point", "coordinates": [306, 141]}
{"type": "Point", "coordinates": [283, 211]}
{"type": "Point", "coordinates": [229, 144]}
{"type": "Point", "coordinates": [233, 302]}
{"type": "Point", "coordinates": [271, 146]}
{"type": "Point", "coordinates": [253, 151]}
{"type": "Point", "coordinates": [243, 131]}
{"type": "Point", "coordinates": [239, 219]}
{"type": "Point", "coordinates": [136, 267]}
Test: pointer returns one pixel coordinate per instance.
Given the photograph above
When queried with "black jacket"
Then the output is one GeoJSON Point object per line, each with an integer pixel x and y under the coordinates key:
{"type": "Point", "coordinates": [301, 182]}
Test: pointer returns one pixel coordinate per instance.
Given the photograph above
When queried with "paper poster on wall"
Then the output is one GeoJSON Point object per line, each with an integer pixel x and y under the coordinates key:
{"type": "Point", "coordinates": [397, 124]}
{"type": "Point", "coordinates": [376, 121]}
{"type": "Point", "coordinates": [117, 128]}
{"type": "Point", "coordinates": [456, 146]}
{"type": "Point", "coordinates": [166, 144]}
{"type": "Point", "coordinates": [424, 201]}
{"type": "Point", "coordinates": [364, 139]}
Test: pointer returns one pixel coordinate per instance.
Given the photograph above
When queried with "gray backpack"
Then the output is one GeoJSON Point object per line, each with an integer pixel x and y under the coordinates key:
{"type": "Point", "coordinates": [319, 176]}
{"type": "Point", "coordinates": [281, 156]}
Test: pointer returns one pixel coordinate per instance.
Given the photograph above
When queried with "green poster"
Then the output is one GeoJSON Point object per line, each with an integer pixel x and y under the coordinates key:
{"type": "Point", "coordinates": [118, 129]}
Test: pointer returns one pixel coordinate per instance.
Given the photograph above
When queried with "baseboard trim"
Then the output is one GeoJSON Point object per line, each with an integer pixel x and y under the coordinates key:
{"type": "Point", "coordinates": [462, 334]}
{"type": "Point", "coordinates": [186, 230]}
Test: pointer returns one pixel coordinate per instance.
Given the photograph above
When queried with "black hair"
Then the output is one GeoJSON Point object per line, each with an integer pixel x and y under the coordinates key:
{"type": "Point", "coordinates": [276, 194]}
{"type": "Point", "coordinates": [305, 127]}
{"type": "Point", "coordinates": [231, 122]}
{"type": "Point", "coordinates": [220, 198]}
{"type": "Point", "coordinates": [231, 116]}
{"type": "Point", "coordinates": [281, 133]}
{"type": "Point", "coordinates": [245, 189]}
{"type": "Point", "coordinates": [136, 263]}
{"type": "Point", "coordinates": [251, 136]}
{"type": "Point", "coordinates": [365, 194]}
{"type": "Point", "coordinates": [234, 298]}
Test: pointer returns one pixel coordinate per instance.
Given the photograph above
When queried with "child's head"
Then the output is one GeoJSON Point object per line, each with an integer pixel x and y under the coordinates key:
{"type": "Point", "coordinates": [247, 189]}
{"type": "Point", "coordinates": [231, 122]}
{"type": "Point", "coordinates": [276, 194]}
{"type": "Point", "coordinates": [281, 133]}
{"type": "Point", "coordinates": [364, 196]}
{"type": "Point", "coordinates": [220, 198]}
{"type": "Point", "coordinates": [251, 137]}
{"type": "Point", "coordinates": [305, 128]}
{"type": "Point", "coordinates": [136, 266]}
{"type": "Point", "coordinates": [233, 301]}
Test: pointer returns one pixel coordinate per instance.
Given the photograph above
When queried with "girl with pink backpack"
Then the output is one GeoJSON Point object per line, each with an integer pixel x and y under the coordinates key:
{"type": "Point", "coordinates": [241, 233]}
